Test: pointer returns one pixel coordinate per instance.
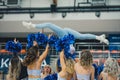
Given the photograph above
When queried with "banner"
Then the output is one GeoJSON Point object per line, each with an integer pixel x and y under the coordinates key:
{"type": "Point", "coordinates": [114, 40]}
{"type": "Point", "coordinates": [5, 61]}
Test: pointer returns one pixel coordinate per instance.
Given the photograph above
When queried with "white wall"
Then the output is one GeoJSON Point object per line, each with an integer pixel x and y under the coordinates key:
{"type": "Point", "coordinates": [58, 16]}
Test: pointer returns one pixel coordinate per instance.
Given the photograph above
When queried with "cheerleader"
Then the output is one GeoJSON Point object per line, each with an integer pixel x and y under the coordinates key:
{"type": "Point", "coordinates": [110, 71]}
{"type": "Point", "coordinates": [16, 67]}
{"type": "Point", "coordinates": [33, 61]}
{"type": "Point", "coordinates": [65, 65]}
{"type": "Point", "coordinates": [67, 68]}
{"type": "Point", "coordinates": [65, 31]}
{"type": "Point", "coordinates": [84, 69]}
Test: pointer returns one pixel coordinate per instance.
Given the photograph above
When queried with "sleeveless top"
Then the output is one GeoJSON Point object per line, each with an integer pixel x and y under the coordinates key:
{"type": "Point", "coordinates": [34, 79]}
{"type": "Point", "coordinates": [59, 78]}
{"type": "Point", "coordinates": [34, 72]}
{"type": "Point", "coordinates": [83, 76]}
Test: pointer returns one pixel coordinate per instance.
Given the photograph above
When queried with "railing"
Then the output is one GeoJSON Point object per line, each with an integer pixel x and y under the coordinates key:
{"type": "Point", "coordinates": [94, 47]}
{"type": "Point", "coordinates": [97, 49]}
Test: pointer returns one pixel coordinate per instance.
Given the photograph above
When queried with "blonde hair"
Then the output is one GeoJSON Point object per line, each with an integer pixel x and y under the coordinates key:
{"type": "Point", "coordinates": [14, 69]}
{"type": "Point", "coordinates": [70, 65]}
{"type": "Point", "coordinates": [111, 67]}
{"type": "Point", "coordinates": [86, 58]}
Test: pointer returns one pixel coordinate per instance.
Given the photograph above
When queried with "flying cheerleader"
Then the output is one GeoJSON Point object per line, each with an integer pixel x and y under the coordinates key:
{"type": "Point", "coordinates": [61, 32]}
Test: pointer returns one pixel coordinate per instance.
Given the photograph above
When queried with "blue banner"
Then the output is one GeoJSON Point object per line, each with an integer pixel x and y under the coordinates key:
{"type": "Point", "coordinates": [114, 40]}
{"type": "Point", "coordinates": [5, 61]}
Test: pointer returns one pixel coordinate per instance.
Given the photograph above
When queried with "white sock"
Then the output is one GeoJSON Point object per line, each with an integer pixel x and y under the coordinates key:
{"type": "Point", "coordinates": [101, 38]}
{"type": "Point", "coordinates": [28, 25]}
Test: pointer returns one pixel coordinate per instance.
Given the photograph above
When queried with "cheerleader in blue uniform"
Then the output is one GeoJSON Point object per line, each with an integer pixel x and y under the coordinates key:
{"type": "Point", "coordinates": [65, 31]}
{"type": "Point", "coordinates": [65, 65]}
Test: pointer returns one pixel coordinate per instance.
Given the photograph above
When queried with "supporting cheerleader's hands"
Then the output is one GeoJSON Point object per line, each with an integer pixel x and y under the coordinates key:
{"type": "Point", "coordinates": [15, 40]}
{"type": "Point", "coordinates": [35, 43]}
{"type": "Point", "coordinates": [48, 38]}
{"type": "Point", "coordinates": [62, 53]}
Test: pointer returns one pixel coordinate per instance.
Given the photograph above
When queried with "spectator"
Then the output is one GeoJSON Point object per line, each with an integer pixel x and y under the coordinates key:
{"type": "Point", "coordinates": [46, 71]}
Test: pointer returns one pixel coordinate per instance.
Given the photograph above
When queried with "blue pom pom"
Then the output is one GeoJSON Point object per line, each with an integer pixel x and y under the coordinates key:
{"type": "Point", "coordinates": [64, 43]}
{"type": "Point", "coordinates": [52, 40]}
{"type": "Point", "coordinates": [41, 39]}
{"type": "Point", "coordinates": [73, 56]}
{"type": "Point", "coordinates": [58, 62]}
{"type": "Point", "coordinates": [29, 45]}
{"type": "Point", "coordinates": [71, 38]}
{"type": "Point", "coordinates": [100, 68]}
{"type": "Point", "coordinates": [51, 77]}
{"type": "Point", "coordinates": [9, 46]}
{"type": "Point", "coordinates": [30, 39]}
{"type": "Point", "coordinates": [13, 47]}
{"type": "Point", "coordinates": [96, 70]}
{"type": "Point", "coordinates": [58, 45]}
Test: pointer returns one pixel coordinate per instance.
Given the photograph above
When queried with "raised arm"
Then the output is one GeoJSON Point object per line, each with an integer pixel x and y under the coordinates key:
{"type": "Point", "coordinates": [44, 54]}
{"type": "Point", "coordinates": [92, 74]}
{"type": "Point", "coordinates": [62, 60]}
{"type": "Point", "coordinates": [100, 76]}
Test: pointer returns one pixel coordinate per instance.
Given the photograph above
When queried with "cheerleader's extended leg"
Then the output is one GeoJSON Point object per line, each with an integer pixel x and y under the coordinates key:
{"type": "Point", "coordinates": [78, 35]}
{"type": "Point", "coordinates": [58, 30]}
